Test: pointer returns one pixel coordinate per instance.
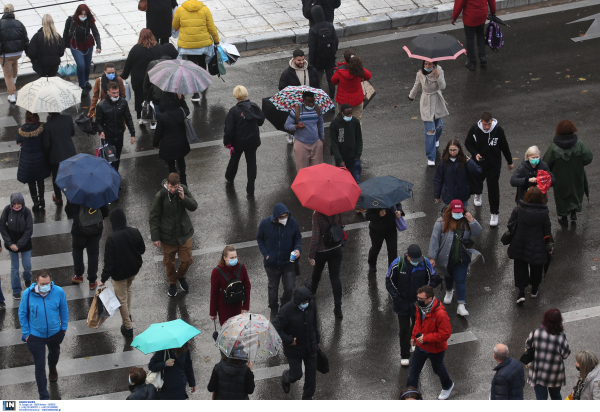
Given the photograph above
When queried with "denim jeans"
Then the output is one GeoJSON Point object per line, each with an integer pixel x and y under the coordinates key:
{"type": "Point", "coordinates": [284, 274]}
{"type": "Point", "coordinates": [541, 393]}
{"type": "Point", "coordinates": [437, 363]}
{"type": "Point", "coordinates": [354, 166]}
{"type": "Point", "coordinates": [457, 274]}
{"type": "Point", "coordinates": [83, 59]}
{"type": "Point", "coordinates": [15, 279]}
{"type": "Point", "coordinates": [37, 347]}
{"type": "Point", "coordinates": [431, 138]}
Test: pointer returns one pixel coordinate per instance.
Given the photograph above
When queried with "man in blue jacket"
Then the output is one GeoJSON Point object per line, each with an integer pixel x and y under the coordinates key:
{"type": "Point", "coordinates": [44, 318]}
{"type": "Point", "coordinates": [278, 238]}
{"type": "Point", "coordinates": [509, 379]}
{"type": "Point", "coordinates": [405, 276]}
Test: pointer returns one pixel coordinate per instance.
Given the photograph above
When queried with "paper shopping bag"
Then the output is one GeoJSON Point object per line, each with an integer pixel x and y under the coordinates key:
{"type": "Point", "coordinates": [95, 319]}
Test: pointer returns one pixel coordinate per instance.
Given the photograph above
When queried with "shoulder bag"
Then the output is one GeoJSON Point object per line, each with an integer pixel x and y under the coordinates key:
{"type": "Point", "coordinates": [190, 133]}
{"type": "Point", "coordinates": [156, 378]}
{"type": "Point", "coordinates": [527, 357]}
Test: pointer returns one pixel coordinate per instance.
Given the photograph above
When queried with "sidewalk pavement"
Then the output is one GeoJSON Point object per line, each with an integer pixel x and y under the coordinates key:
{"type": "Point", "coordinates": [249, 24]}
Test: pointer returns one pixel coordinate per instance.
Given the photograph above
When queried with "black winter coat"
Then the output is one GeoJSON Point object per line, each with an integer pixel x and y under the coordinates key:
{"type": "Point", "coordinates": [383, 224]}
{"type": "Point", "coordinates": [533, 225]}
{"type": "Point", "coordinates": [289, 78]}
{"type": "Point", "coordinates": [403, 280]}
{"type": "Point", "coordinates": [509, 380]}
{"type": "Point", "coordinates": [174, 377]}
{"type": "Point", "coordinates": [451, 180]}
{"type": "Point", "coordinates": [72, 211]}
{"type": "Point", "coordinates": [231, 382]}
{"type": "Point", "coordinates": [489, 145]}
{"type": "Point", "coordinates": [13, 35]}
{"type": "Point", "coordinates": [45, 56]}
{"type": "Point", "coordinates": [293, 322]}
{"type": "Point", "coordinates": [16, 227]}
{"type": "Point", "coordinates": [241, 126]}
{"type": "Point", "coordinates": [326, 61]}
{"type": "Point", "coordinates": [520, 178]}
{"type": "Point", "coordinates": [123, 251]}
{"type": "Point", "coordinates": [33, 165]}
{"type": "Point", "coordinates": [329, 7]}
{"type": "Point", "coordinates": [159, 17]}
{"type": "Point", "coordinates": [170, 135]}
{"type": "Point", "coordinates": [80, 32]}
{"type": "Point", "coordinates": [137, 64]}
{"type": "Point", "coordinates": [111, 118]}
{"type": "Point", "coordinates": [143, 392]}
{"type": "Point", "coordinates": [58, 143]}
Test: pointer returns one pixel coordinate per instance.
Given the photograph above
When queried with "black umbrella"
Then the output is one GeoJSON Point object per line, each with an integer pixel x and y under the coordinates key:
{"type": "Point", "coordinates": [276, 117]}
{"type": "Point", "coordinates": [383, 192]}
{"type": "Point", "coordinates": [434, 47]}
{"type": "Point", "coordinates": [494, 18]}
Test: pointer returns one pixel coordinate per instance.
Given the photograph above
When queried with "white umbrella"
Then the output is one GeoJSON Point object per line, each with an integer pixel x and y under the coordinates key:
{"type": "Point", "coordinates": [48, 95]}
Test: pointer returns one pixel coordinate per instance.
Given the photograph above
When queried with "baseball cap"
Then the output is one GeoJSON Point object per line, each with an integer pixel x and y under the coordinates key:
{"type": "Point", "coordinates": [414, 252]}
{"type": "Point", "coordinates": [456, 206]}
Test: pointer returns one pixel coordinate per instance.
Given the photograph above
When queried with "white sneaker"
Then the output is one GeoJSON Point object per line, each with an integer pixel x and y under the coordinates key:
{"type": "Point", "coordinates": [405, 362]}
{"type": "Point", "coordinates": [290, 138]}
{"type": "Point", "coordinates": [153, 126]}
{"type": "Point", "coordinates": [430, 162]}
{"type": "Point", "coordinates": [445, 394]}
{"type": "Point", "coordinates": [448, 297]}
{"type": "Point", "coordinates": [12, 98]}
{"type": "Point", "coordinates": [477, 200]}
{"type": "Point", "coordinates": [412, 349]}
{"type": "Point", "coordinates": [494, 220]}
{"type": "Point", "coordinates": [461, 311]}
{"type": "Point", "coordinates": [15, 79]}
{"type": "Point", "coordinates": [437, 144]}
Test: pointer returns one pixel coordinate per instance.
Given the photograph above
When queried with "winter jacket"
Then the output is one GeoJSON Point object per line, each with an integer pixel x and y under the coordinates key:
{"type": "Point", "coordinates": [548, 366]}
{"type": "Point", "coordinates": [403, 280]}
{"type": "Point", "coordinates": [566, 157]}
{"type": "Point", "coordinates": [136, 65]}
{"type": "Point", "coordinates": [218, 285]}
{"type": "Point", "coordinates": [45, 56]}
{"type": "Point", "coordinates": [324, 59]}
{"type": "Point", "coordinates": [72, 211]}
{"type": "Point", "coordinates": [293, 322]}
{"type": "Point", "coordinates": [440, 244]}
{"type": "Point", "coordinates": [435, 328]}
{"type": "Point", "coordinates": [591, 386]}
{"type": "Point", "coordinates": [169, 221]}
{"type": "Point", "coordinates": [350, 90]}
{"type": "Point", "coordinates": [509, 380]}
{"type": "Point", "coordinates": [475, 12]}
{"type": "Point", "coordinates": [197, 26]}
{"type": "Point", "coordinates": [241, 126]}
{"type": "Point", "coordinates": [320, 226]}
{"type": "Point", "coordinates": [277, 242]}
{"type": "Point", "coordinates": [123, 251]}
{"type": "Point", "coordinates": [293, 76]}
{"type": "Point", "coordinates": [231, 382]}
{"type": "Point", "coordinates": [174, 377]}
{"type": "Point", "coordinates": [383, 224]}
{"type": "Point", "coordinates": [80, 32]}
{"type": "Point", "coordinates": [16, 227]}
{"type": "Point", "coordinates": [170, 135]}
{"type": "Point", "coordinates": [143, 392]}
{"type": "Point", "coordinates": [159, 16]}
{"type": "Point", "coordinates": [100, 89]}
{"type": "Point", "coordinates": [451, 180]}
{"type": "Point", "coordinates": [43, 316]}
{"type": "Point", "coordinates": [329, 7]}
{"type": "Point", "coordinates": [111, 118]}
{"type": "Point", "coordinates": [314, 127]}
{"type": "Point", "coordinates": [58, 143]}
{"type": "Point", "coordinates": [433, 105]}
{"type": "Point", "coordinates": [33, 165]}
{"type": "Point", "coordinates": [169, 52]}
{"type": "Point", "coordinates": [533, 225]}
{"type": "Point", "coordinates": [521, 176]}
{"type": "Point", "coordinates": [13, 35]}
{"type": "Point", "coordinates": [489, 145]}
{"type": "Point", "coordinates": [346, 139]}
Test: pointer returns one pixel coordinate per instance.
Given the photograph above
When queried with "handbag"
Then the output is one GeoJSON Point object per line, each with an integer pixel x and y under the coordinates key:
{"type": "Point", "coordinates": [400, 222]}
{"type": "Point", "coordinates": [156, 378]}
{"type": "Point", "coordinates": [368, 91]}
{"type": "Point", "coordinates": [190, 133]}
{"type": "Point", "coordinates": [527, 357]}
{"type": "Point", "coordinates": [509, 234]}
{"type": "Point", "coordinates": [143, 5]}
{"type": "Point", "coordinates": [85, 123]}
{"type": "Point", "coordinates": [148, 112]}
{"type": "Point", "coordinates": [107, 152]}
{"type": "Point", "coordinates": [68, 69]}
{"type": "Point", "coordinates": [322, 362]}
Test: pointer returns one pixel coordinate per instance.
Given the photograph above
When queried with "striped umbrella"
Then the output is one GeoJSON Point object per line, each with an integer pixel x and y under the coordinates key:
{"type": "Point", "coordinates": [180, 76]}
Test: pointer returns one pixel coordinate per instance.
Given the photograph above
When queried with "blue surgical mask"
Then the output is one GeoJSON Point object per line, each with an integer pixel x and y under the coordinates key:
{"type": "Point", "coordinates": [428, 70]}
{"type": "Point", "coordinates": [309, 108]}
{"type": "Point", "coordinates": [457, 216]}
{"type": "Point", "coordinates": [110, 76]}
{"type": "Point", "coordinates": [303, 305]}
{"type": "Point", "coordinates": [131, 383]}
{"type": "Point", "coordinates": [45, 288]}
{"type": "Point", "coordinates": [233, 262]}
{"type": "Point", "coordinates": [83, 18]}
{"type": "Point", "coordinates": [414, 263]}
{"type": "Point", "coordinates": [534, 162]}
{"type": "Point", "coordinates": [347, 118]}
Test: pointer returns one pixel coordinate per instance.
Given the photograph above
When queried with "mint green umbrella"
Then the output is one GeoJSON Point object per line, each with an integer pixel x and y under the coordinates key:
{"type": "Point", "coordinates": [167, 335]}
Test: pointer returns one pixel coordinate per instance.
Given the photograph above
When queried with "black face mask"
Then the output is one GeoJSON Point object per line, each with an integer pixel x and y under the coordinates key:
{"type": "Point", "coordinates": [421, 303]}
{"type": "Point", "coordinates": [577, 367]}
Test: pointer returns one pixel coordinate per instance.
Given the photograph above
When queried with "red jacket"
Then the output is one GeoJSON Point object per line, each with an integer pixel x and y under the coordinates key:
{"type": "Point", "coordinates": [435, 328]}
{"type": "Point", "coordinates": [218, 283]}
{"type": "Point", "coordinates": [350, 89]}
{"type": "Point", "coordinates": [474, 12]}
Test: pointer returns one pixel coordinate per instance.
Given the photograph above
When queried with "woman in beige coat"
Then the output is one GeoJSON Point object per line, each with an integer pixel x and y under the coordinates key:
{"type": "Point", "coordinates": [433, 106]}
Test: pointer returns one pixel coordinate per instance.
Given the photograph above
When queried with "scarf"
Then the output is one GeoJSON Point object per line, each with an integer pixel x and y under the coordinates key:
{"type": "Point", "coordinates": [577, 389]}
{"type": "Point", "coordinates": [104, 82]}
{"type": "Point", "coordinates": [425, 310]}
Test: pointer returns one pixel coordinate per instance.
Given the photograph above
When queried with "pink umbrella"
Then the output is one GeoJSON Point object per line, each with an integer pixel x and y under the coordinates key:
{"type": "Point", "coordinates": [180, 76]}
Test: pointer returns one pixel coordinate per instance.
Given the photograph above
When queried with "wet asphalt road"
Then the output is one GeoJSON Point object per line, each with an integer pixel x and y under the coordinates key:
{"type": "Point", "coordinates": [539, 77]}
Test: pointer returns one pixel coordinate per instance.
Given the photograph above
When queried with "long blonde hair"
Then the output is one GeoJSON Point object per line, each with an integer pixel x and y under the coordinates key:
{"type": "Point", "coordinates": [50, 34]}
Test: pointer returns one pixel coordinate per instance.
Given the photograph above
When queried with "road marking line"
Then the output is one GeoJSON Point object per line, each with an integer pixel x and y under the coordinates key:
{"type": "Point", "coordinates": [581, 314]}
{"type": "Point", "coordinates": [58, 227]}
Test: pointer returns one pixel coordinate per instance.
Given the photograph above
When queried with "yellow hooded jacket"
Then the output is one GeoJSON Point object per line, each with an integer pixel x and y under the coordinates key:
{"type": "Point", "coordinates": [196, 24]}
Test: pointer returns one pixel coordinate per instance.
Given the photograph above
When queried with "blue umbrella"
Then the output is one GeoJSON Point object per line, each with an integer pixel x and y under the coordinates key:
{"type": "Point", "coordinates": [383, 192]}
{"type": "Point", "coordinates": [88, 180]}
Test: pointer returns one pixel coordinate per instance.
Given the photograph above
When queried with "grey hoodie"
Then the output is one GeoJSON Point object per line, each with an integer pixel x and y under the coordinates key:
{"type": "Point", "coordinates": [440, 244]}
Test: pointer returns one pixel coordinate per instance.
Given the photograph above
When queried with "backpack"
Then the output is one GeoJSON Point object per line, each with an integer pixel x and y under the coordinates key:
{"type": "Point", "coordinates": [307, 6]}
{"type": "Point", "coordinates": [325, 44]}
{"type": "Point", "coordinates": [234, 291]}
{"type": "Point", "coordinates": [494, 36]}
{"type": "Point", "coordinates": [334, 235]}
{"type": "Point", "coordinates": [90, 221]}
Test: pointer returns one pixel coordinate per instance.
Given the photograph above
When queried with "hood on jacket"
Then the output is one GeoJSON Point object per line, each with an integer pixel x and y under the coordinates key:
{"type": "Point", "coordinates": [117, 219]}
{"type": "Point", "coordinates": [302, 294]}
{"type": "Point", "coordinates": [278, 210]}
{"type": "Point", "coordinates": [293, 66]}
{"type": "Point", "coordinates": [494, 123]}
{"type": "Point", "coordinates": [17, 198]}
{"type": "Point", "coordinates": [343, 71]}
{"type": "Point", "coordinates": [317, 13]}
{"type": "Point", "coordinates": [565, 141]}
{"type": "Point", "coordinates": [250, 111]}
{"type": "Point", "coordinates": [31, 129]}
{"type": "Point", "coordinates": [533, 207]}
{"type": "Point", "coordinates": [192, 5]}
{"type": "Point", "coordinates": [168, 50]}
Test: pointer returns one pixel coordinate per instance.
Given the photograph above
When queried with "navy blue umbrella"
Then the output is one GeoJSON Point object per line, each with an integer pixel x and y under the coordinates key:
{"type": "Point", "coordinates": [383, 192]}
{"type": "Point", "coordinates": [88, 180]}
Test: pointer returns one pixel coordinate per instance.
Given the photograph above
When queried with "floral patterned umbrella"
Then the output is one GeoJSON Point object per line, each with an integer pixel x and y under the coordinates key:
{"type": "Point", "coordinates": [290, 97]}
{"type": "Point", "coordinates": [248, 336]}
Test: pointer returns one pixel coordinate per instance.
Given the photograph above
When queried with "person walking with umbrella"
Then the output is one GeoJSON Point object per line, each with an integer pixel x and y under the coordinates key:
{"type": "Point", "coordinates": [58, 146]}
{"type": "Point", "coordinates": [433, 106]}
{"type": "Point", "coordinates": [178, 371]}
{"type": "Point", "coordinates": [305, 121]}
{"type": "Point", "coordinates": [526, 174]}
{"type": "Point", "coordinates": [475, 13]}
{"type": "Point", "coordinates": [231, 379]}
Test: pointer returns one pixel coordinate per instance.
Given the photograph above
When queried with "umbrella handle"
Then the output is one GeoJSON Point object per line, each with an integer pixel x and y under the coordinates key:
{"type": "Point", "coordinates": [215, 323]}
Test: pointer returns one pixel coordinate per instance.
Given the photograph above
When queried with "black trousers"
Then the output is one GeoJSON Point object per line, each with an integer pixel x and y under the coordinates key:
{"type": "Point", "coordinates": [37, 347]}
{"type": "Point", "coordinates": [198, 59]}
{"type": "Point", "coordinates": [329, 74]}
{"type": "Point", "coordinates": [406, 325]}
{"type": "Point", "coordinates": [92, 244]}
{"type": "Point", "coordinates": [470, 33]}
{"type": "Point", "coordinates": [36, 189]}
{"type": "Point", "coordinates": [391, 241]}
{"type": "Point", "coordinates": [526, 274]}
{"type": "Point", "coordinates": [118, 144]}
{"type": "Point", "coordinates": [57, 192]}
{"type": "Point", "coordinates": [333, 258]}
{"type": "Point", "coordinates": [492, 177]}
{"type": "Point", "coordinates": [251, 168]}
{"type": "Point", "coordinates": [294, 373]}
{"type": "Point", "coordinates": [180, 169]}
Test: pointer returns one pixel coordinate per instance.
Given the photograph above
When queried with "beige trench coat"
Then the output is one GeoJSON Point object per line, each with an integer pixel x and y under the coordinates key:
{"type": "Point", "coordinates": [433, 104]}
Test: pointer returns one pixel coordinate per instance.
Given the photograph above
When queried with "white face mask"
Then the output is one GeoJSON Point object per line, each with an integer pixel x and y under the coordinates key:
{"type": "Point", "coordinates": [83, 18]}
{"type": "Point", "coordinates": [283, 221]}
{"type": "Point", "coordinates": [114, 99]}
{"type": "Point", "coordinates": [453, 159]}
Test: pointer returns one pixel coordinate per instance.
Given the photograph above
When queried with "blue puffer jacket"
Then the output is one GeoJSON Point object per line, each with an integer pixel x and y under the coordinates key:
{"type": "Point", "coordinates": [277, 241]}
{"type": "Point", "coordinates": [451, 180]}
{"type": "Point", "coordinates": [509, 381]}
{"type": "Point", "coordinates": [43, 316]}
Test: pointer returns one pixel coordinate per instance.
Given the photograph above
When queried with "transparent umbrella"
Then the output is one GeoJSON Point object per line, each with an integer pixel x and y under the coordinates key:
{"type": "Point", "coordinates": [248, 336]}
{"type": "Point", "coordinates": [180, 76]}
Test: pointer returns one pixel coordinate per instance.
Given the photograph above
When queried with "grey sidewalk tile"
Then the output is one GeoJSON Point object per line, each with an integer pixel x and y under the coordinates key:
{"type": "Point", "coordinates": [127, 7]}
{"type": "Point", "coordinates": [257, 41]}
{"type": "Point", "coordinates": [444, 11]}
{"type": "Point", "coordinates": [112, 20]}
{"type": "Point", "coordinates": [366, 24]}
{"type": "Point", "coordinates": [382, 11]}
{"type": "Point", "coordinates": [215, 5]}
{"type": "Point", "coordinates": [221, 15]}
{"type": "Point", "coordinates": [106, 10]}
{"type": "Point", "coordinates": [268, 8]}
{"type": "Point", "coordinates": [372, 5]}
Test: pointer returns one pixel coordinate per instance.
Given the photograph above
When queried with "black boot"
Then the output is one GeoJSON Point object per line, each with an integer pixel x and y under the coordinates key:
{"type": "Point", "coordinates": [470, 65]}
{"type": "Point", "coordinates": [42, 200]}
{"type": "Point", "coordinates": [36, 203]}
{"type": "Point", "coordinates": [337, 311]}
{"type": "Point", "coordinates": [563, 220]}
{"type": "Point", "coordinates": [573, 215]}
{"type": "Point", "coordinates": [482, 61]}
{"type": "Point", "coordinates": [34, 196]}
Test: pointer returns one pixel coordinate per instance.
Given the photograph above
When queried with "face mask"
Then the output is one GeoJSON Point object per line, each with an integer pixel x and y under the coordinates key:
{"type": "Point", "coordinates": [83, 18]}
{"type": "Point", "coordinates": [283, 221]}
{"type": "Point", "coordinates": [577, 367]}
{"type": "Point", "coordinates": [303, 305]}
{"type": "Point", "coordinates": [114, 99]}
{"type": "Point", "coordinates": [131, 383]}
{"type": "Point", "coordinates": [421, 303]}
{"type": "Point", "coordinates": [309, 108]}
{"type": "Point", "coordinates": [233, 262]}
{"type": "Point", "coordinates": [347, 118]}
{"type": "Point", "coordinates": [453, 159]}
{"type": "Point", "coordinates": [414, 263]}
{"type": "Point", "coordinates": [534, 162]}
{"type": "Point", "coordinates": [16, 210]}
{"type": "Point", "coordinates": [110, 76]}
{"type": "Point", "coordinates": [428, 70]}
{"type": "Point", "coordinates": [457, 216]}
{"type": "Point", "coordinates": [45, 288]}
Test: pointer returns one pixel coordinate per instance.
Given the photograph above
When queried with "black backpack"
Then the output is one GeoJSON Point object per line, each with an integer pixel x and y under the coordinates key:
{"type": "Point", "coordinates": [325, 43]}
{"type": "Point", "coordinates": [90, 221]}
{"type": "Point", "coordinates": [307, 6]}
{"type": "Point", "coordinates": [334, 235]}
{"type": "Point", "coordinates": [234, 292]}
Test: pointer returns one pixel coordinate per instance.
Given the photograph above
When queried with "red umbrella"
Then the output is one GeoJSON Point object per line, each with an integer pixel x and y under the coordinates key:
{"type": "Point", "coordinates": [327, 189]}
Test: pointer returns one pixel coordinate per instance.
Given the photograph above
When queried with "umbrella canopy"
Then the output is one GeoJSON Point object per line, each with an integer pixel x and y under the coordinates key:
{"type": "Point", "coordinates": [290, 97]}
{"type": "Point", "coordinates": [167, 335]}
{"type": "Point", "coordinates": [434, 47]}
{"type": "Point", "coordinates": [327, 189]}
{"type": "Point", "coordinates": [276, 117]}
{"type": "Point", "coordinates": [48, 95]}
{"type": "Point", "coordinates": [88, 180]}
{"type": "Point", "coordinates": [383, 192]}
{"type": "Point", "coordinates": [180, 76]}
{"type": "Point", "coordinates": [248, 336]}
